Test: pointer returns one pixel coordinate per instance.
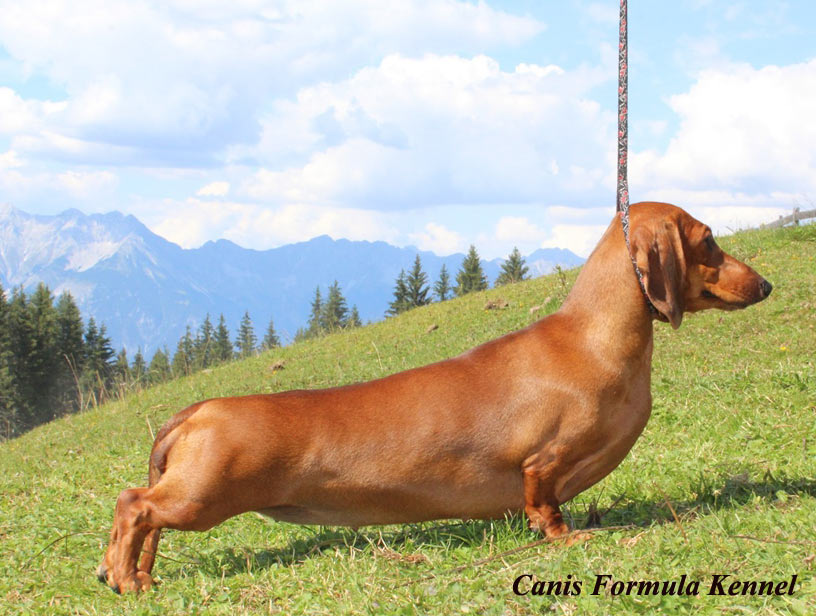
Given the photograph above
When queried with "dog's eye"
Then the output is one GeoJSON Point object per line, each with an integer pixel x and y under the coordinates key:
{"type": "Point", "coordinates": [710, 243]}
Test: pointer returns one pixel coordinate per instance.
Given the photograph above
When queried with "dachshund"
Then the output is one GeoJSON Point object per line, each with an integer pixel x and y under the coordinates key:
{"type": "Point", "coordinates": [521, 423]}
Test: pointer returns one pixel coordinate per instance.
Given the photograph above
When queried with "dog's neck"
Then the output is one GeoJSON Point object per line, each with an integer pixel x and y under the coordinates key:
{"type": "Point", "coordinates": [607, 302]}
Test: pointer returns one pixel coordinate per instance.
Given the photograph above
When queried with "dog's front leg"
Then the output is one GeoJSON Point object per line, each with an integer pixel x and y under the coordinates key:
{"type": "Point", "coordinates": [542, 508]}
{"type": "Point", "coordinates": [540, 503]}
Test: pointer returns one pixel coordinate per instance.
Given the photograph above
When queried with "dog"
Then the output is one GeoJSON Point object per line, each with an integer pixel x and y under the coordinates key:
{"type": "Point", "coordinates": [523, 422]}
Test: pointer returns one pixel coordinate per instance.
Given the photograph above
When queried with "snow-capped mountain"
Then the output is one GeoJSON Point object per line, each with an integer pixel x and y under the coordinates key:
{"type": "Point", "coordinates": [147, 290]}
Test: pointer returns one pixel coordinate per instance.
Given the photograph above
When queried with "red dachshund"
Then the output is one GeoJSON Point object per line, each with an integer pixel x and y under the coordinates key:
{"type": "Point", "coordinates": [524, 422]}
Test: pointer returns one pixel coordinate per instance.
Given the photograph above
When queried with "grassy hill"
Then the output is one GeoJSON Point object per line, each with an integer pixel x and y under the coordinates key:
{"type": "Point", "coordinates": [723, 480]}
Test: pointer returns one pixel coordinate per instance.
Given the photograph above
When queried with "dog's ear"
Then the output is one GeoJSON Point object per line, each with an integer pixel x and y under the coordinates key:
{"type": "Point", "coordinates": [658, 252]}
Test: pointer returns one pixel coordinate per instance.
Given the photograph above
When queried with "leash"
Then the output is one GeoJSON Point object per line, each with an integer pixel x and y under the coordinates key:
{"type": "Point", "coordinates": [622, 207]}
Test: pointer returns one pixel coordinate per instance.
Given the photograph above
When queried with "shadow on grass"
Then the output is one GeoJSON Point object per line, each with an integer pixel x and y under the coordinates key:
{"type": "Point", "coordinates": [388, 541]}
{"type": "Point", "coordinates": [710, 495]}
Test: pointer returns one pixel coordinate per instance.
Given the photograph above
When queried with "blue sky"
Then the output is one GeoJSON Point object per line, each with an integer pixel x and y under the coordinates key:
{"type": "Point", "coordinates": [435, 123]}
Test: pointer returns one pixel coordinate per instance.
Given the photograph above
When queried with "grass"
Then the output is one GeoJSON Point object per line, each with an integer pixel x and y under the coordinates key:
{"type": "Point", "coordinates": [723, 480]}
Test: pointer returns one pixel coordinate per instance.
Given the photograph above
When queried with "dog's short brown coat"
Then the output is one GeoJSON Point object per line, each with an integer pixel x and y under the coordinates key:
{"type": "Point", "coordinates": [524, 422]}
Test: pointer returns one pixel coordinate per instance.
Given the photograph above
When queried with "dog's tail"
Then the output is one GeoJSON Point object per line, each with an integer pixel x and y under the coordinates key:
{"type": "Point", "coordinates": [157, 464]}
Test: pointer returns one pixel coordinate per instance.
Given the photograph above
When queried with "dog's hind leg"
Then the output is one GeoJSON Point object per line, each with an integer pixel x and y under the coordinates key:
{"type": "Point", "coordinates": [131, 524]}
{"type": "Point", "coordinates": [140, 515]}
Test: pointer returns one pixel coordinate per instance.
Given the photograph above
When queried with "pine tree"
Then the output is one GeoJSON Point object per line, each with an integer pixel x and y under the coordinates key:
{"type": "Point", "coordinates": [138, 370]}
{"type": "Point", "coordinates": [335, 310]}
{"type": "Point", "coordinates": [247, 341]}
{"type": "Point", "coordinates": [315, 326]}
{"type": "Point", "coordinates": [8, 387]}
{"type": "Point", "coordinates": [90, 341]}
{"type": "Point", "coordinates": [513, 269]}
{"type": "Point", "coordinates": [271, 339]}
{"type": "Point", "coordinates": [121, 369]}
{"type": "Point", "coordinates": [203, 346]}
{"type": "Point", "coordinates": [21, 340]}
{"type": "Point", "coordinates": [471, 277]}
{"type": "Point", "coordinates": [105, 354]}
{"type": "Point", "coordinates": [222, 349]}
{"type": "Point", "coordinates": [442, 288]}
{"type": "Point", "coordinates": [183, 357]}
{"type": "Point", "coordinates": [98, 367]}
{"type": "Point", "coordinates": [416, 285]}
{"type": "Point", "coordinates": [69, 354]}
{"type": "Point", "coordinates": [42, 362]}
{"type": "Point", "coordinates": [69, 330]}
{"type": "Point", "coordinates": [354, 318]}
{"type": "Point", "coordinates": [159, 369]}
{"type": "Point", "coordinates": [400, 302]}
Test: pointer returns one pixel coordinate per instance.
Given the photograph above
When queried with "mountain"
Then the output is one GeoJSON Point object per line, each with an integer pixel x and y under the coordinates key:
{"type": "Point", "coordinates": [147, 290]}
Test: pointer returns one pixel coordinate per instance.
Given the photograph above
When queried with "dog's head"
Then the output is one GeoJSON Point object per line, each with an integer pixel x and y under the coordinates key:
{"type": "Point", "coordinates": [684, 270]}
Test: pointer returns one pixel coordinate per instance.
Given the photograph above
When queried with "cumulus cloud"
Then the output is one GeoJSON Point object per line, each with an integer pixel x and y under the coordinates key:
{"type": "Point", "coordinates": [18, 115]}
{"type": "Point", "coordinates": [578, 229]}
{"type": "Point", "coordinates": [436, 130]}
{"type": "Point", "coordinates": [158, 78]}
{"type": "Point", "coordinates": [438, 239]}
{"type": "Point", "coordinates": [745, 135]}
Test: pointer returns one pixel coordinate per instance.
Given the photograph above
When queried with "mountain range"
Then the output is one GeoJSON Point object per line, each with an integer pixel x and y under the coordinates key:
{"type": "Point", "coordinates": [147, 290]}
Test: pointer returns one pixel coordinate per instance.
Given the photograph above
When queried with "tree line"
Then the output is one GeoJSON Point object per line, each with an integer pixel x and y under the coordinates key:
{"type": "Point", "coordinates": [53, 364]}
{"type": "Point", "coordinates": [412, 289]}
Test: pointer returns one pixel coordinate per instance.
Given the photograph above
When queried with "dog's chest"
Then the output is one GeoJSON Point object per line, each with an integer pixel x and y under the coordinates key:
{"type": "Point", "coordinates": [609, 434]}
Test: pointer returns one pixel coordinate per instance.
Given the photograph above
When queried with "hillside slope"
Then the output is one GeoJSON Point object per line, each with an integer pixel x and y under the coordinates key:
{"type": "Point", "coordinates": [730, 451]}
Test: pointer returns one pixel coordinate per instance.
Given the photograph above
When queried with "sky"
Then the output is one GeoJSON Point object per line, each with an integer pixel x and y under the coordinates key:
{"type": "Point", "coordinates": [431, 123]}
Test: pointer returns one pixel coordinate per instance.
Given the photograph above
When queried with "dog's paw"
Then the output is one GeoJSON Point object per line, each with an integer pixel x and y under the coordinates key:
{"type": "Point", "coordinates": [574, 538]}
{"type": "Point", "coordinates": [136, 583]}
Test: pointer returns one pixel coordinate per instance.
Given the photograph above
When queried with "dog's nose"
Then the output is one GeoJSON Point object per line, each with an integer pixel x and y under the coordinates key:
{"type": "Point", "coordinates": [765, 287]}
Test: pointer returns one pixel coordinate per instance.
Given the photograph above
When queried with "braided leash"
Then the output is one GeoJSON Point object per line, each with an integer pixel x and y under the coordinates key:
{"type": "Point", "coordinates": [623, 145]}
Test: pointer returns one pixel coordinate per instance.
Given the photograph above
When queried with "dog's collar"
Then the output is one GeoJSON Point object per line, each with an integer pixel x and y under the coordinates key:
{"type": "Point", "coordinates": [624, 216]}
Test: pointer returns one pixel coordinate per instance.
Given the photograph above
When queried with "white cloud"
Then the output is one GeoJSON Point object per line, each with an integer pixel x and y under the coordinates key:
{"type": "Point", "coordinates": [192, 222]}
{"type": "Point", "coordinates": [746, 137]}
{"type": "Point", "coordinates": [177, 82]}
{"type": "Point", "coordinates": [82, 184]}
{"type": "Point", "coordinates": [10, 160]}
{"type": "Point", "coordinates": [20, 184]}
{"type": "Point", "coordinates": [214, 189]}
{"type": "Point", "coordinates": [438, 239]}
{"type": "Point", "coordinates": [577, 229]}
{"type": "Point", "coordinates": [518, 229]}
{"type": "Point", "coordinates": [18, 115]}
{"type": "Point", "coordinates": [15, 114]}
{"type": "Point", "coordinates": [441, 130]}
{"type": "Point", "coordinates": [580, 239]}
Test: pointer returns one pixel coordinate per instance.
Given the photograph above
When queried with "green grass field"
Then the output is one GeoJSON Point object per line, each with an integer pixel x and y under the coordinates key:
{"type": "Point", "coordinates": [723, 480]}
